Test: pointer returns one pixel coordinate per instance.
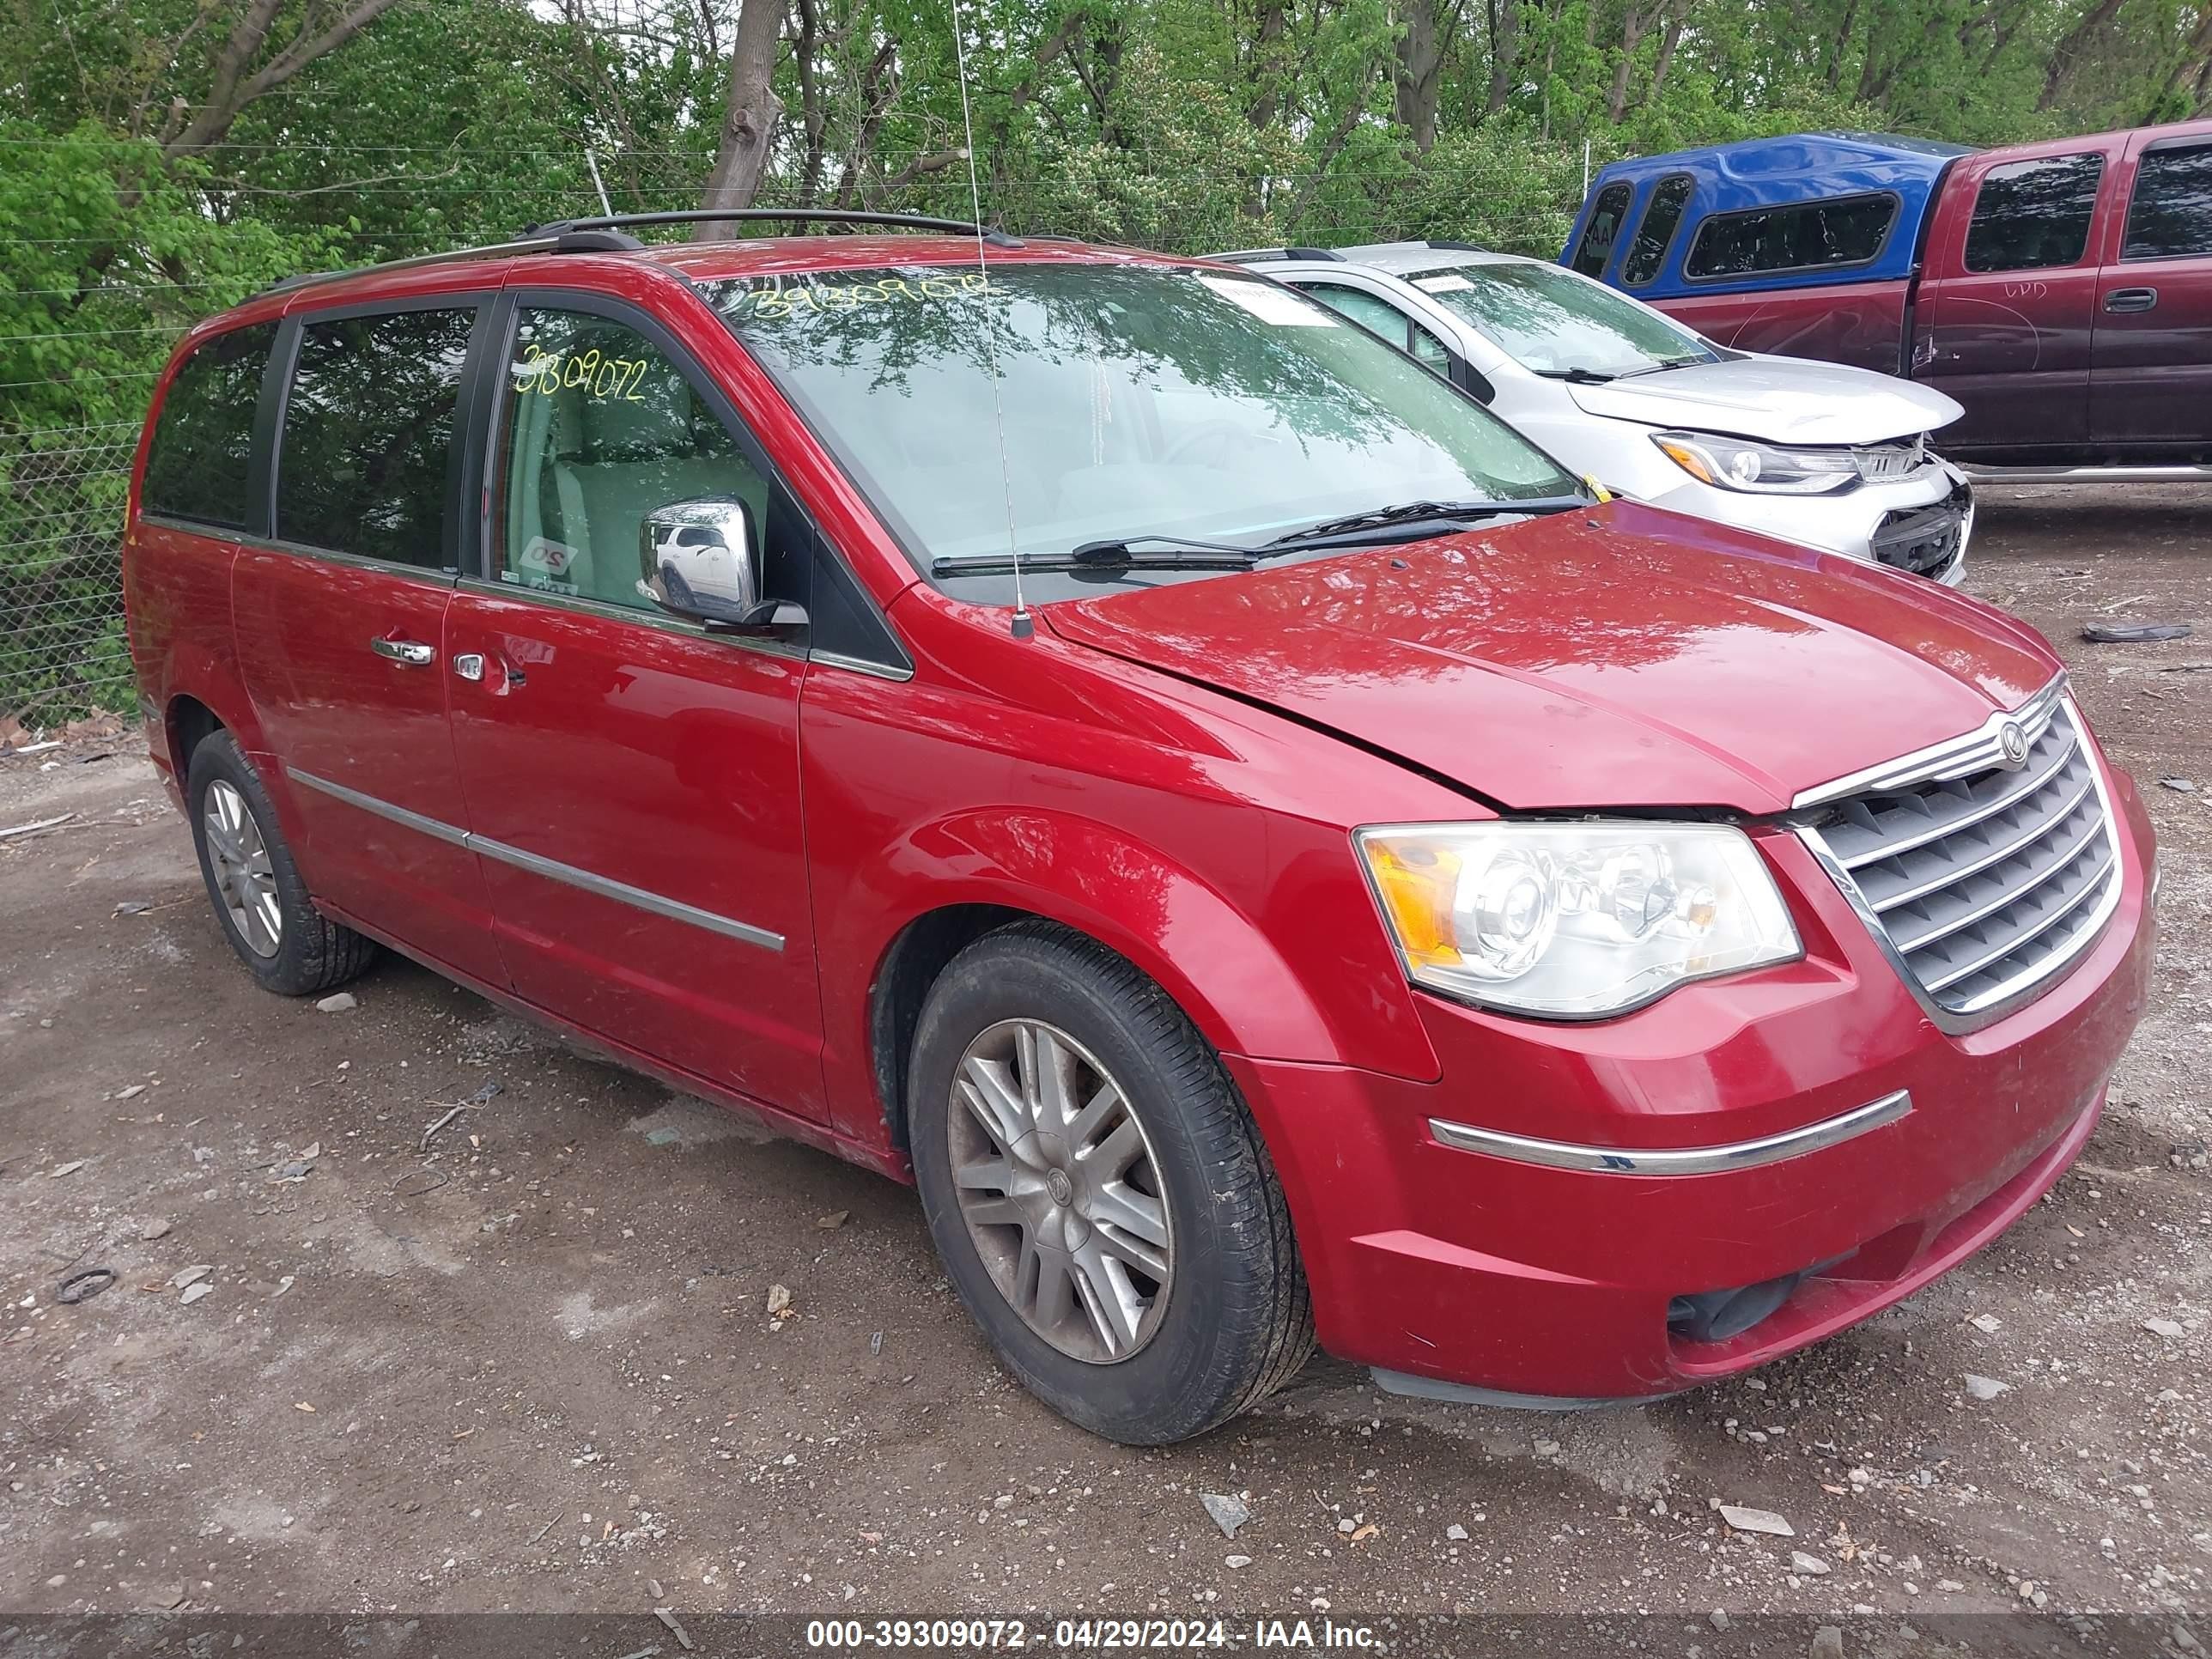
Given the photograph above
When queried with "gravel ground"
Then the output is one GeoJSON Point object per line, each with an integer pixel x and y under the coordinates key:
{"type": "Point", "coordinates": [533, 1366]}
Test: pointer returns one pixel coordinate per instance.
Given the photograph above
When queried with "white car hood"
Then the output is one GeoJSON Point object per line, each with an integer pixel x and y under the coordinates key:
{"type": "Point", "coordinates": [1785, 400]}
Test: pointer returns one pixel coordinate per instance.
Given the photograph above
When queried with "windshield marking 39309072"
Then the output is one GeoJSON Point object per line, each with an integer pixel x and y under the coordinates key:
{"type": "Point", "coordinates": [1141, 403]}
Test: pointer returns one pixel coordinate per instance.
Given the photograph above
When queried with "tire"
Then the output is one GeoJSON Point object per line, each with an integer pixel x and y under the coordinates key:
{"type": "Point", "coordinates": [288, 945]}
{"type": "Point", "coordinates": [1228, 1321]}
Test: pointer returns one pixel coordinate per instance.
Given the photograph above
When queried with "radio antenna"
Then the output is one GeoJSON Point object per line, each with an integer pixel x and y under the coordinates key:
{"type": "Point", "coordinates": [1023, 627]}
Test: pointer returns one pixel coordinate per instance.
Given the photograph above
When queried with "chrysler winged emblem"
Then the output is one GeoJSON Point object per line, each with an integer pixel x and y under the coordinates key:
{"type": "Point", "coordinates": [2012, 742]}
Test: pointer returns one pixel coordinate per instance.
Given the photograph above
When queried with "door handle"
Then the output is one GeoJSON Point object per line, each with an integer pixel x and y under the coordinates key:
{"type": "Point", "coordinates": [2131, 299]}
{"type": "Point", "coordinates": [412, 653]}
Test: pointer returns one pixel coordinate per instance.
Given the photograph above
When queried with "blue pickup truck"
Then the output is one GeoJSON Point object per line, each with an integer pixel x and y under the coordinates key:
{"type": "Point", "coordinates": [2061, 291]}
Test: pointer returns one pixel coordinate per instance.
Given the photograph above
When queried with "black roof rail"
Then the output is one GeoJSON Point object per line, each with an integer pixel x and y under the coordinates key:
{"type": "Point", "coordinates": [1253, 256]}
{"type": "Point", "coordinates": [793, 215]}
{"type": "Point", "coordinates": [588, 241]}
{"type": "Point", "coordinates": [1455, 247]}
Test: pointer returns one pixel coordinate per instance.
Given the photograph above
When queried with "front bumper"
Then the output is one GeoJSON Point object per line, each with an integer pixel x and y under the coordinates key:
{"type": "Point", "coordinates": [1519, 1277]}
{"type": "Point", "coordinates": [1901, 523]}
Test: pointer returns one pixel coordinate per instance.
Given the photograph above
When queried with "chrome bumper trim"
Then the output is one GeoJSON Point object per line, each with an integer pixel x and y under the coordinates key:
{"type": "Point", "coordinates": [1676, 1161]}
{"type": "Point", "coordinates": [552, 869]}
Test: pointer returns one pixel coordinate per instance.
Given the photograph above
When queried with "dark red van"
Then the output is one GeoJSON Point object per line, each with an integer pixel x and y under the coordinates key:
{"type": "Point", "coordinates": [1263, 850]}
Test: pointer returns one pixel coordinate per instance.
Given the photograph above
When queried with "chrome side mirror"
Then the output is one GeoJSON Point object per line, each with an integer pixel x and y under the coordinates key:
{"type": "Point", "coordinates": [696, 560]}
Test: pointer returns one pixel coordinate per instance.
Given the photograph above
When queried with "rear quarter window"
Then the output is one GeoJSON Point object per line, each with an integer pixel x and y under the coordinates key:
{"type": "Point", "coordinates": [1655, 233]}
{"type": "Point", "coordinates": [1833, 234]}
{"type": "Point", "coordinates": [203, 450]}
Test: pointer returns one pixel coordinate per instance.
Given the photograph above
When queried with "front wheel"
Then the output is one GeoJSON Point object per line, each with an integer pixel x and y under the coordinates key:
{"type": "Point", "coordinates": [288, 946]}
{"type": "Point", "coordinates": [1100, 1196]}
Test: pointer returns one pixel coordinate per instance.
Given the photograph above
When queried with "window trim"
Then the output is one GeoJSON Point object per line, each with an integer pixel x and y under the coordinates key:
{"type": "Point", "coordinates": [2193, 141]}
{"type": "Point", "coordinates": [257, 451]}
{"type": "Point", "coordinates": [479, 302]}
{"type": "Point", "coordinates": [492, 395]}
{"type": "Point", "coordinates": [1889, 231]}
{"type": "Point", "coordinates": [1590, 221]}
{"type": "Point", "coordinates": [1673, 233]}
{"type": "Point", "coordinates": [2086, 256]}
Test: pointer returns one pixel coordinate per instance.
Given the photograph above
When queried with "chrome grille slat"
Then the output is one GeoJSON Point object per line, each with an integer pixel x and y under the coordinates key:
{"type": "Point", "coordinates": [2042, 770]}
{"type": "Point", "coordinates": [1982, 880]}
{"type": "Point", "coordinates": [2030, 934]}
{"type": "Point", "coordinates": [2025, 838]}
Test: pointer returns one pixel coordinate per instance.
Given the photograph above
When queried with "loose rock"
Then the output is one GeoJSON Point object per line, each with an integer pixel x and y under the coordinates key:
{"type": "Point", "coordinates": [1750, 1520]}
{"type": "Point", "coordinates": [2167, 1327]}
{"type": "Point", "coordinates": [1828, 1642]}
{"type": "Point", "coordinates": [1985, 1387]}
{"type": "Point", "coordinates": [338, 1002]}
{"type": "Point", "coordinates": [1811, 1564]}
{"type": "Point", "coordinates": [1228, 1512]}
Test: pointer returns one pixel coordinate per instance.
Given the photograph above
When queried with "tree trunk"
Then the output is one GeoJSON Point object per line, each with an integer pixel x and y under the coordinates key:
{"type": "Point", "coordinates": [1633, 22]}
{"type": "Point", "coordinates": [749, 117]}
{"type": "Point", "coordinates": [1268, 65]}
{"type": "Point", "coordinates": [1670, 40]}
{"type": "Point", "coordinates": [1419, 71]}
{"type": "Point", "coordinates": [1505, 53]}
{"type": "Point", "coordinates": [232, 88]}
{"type": "Point", "coordinates": [2093, 22]}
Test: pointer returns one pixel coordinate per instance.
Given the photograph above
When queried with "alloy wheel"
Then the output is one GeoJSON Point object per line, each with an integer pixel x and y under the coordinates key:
{"type": "Point", "coordinates": [246, 884]}
{"type": "Point", "coordinates": [1059, 1189]}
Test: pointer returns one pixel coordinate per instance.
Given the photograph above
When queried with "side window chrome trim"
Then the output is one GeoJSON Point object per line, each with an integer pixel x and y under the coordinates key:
{"type": "Point", "coordinates": [437, 576]}
{"type": "Point", "coordinates": [552, 869]}
{"type": "Point", "coordinates": [862, 665]}
{"type": "Point", "coordinates": [661, 621]}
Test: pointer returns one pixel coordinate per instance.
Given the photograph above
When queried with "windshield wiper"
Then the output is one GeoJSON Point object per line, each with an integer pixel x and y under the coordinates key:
{"type": "Point", "coordinates": [1173, 553]}
{"type": "Point", "coordinates": [1576, 376]}
{"type": "Point", "coordinates": [1664, 364]}
{"type": "Point", "coordinates": [1413, 517]}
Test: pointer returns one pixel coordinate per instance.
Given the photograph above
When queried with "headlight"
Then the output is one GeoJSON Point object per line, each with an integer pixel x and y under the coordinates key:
{"type": "Point", "coordinates": [1758, 468]}
{"type": "Point", "coordinates": [1574, 921]}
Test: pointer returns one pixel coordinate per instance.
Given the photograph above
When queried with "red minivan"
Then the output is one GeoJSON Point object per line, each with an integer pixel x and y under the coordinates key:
{"type": "Point", "coordinates": [1269, 855]}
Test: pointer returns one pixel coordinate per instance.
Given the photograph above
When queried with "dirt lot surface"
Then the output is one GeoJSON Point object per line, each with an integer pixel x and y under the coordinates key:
{"type": "Point", "coordinates": [532, 1366]}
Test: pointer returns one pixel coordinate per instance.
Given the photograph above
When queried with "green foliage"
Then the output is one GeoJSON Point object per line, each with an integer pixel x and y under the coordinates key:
{"type": "Point", "coordinates": [127, 209]}
{"type": "Point", "coordinates": [111, 254]}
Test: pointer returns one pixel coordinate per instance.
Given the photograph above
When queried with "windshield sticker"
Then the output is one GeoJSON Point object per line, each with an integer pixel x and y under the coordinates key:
{"type": "Point", "coordinates": [1270, 304]}
{"type": "Point", "coordinates": [787, 296]}
{"type": "Point", "coordinates": [1449, 281]}
{"type": "Point", "coordinates": [595, 373]}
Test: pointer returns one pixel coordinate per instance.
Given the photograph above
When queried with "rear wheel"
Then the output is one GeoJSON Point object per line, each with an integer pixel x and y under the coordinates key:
{"type": "Point", "coordinates": [1099, 1194]}
{"type": "Point", "coordinates": [262, 904]}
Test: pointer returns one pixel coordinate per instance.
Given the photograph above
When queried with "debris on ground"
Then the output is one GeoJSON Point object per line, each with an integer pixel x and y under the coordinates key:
{"type": "Point", "coordinates": [1985, 1387]}
{"type": "Point", "coordinates": [186, 1278]}
{"type": "Point", "coordinates": [1228, 1512]}
{"type": "Point", "coordinates": [2100, 633]}
{"type": "Point", "coordinates": [835, 1219]}
{"type": "Point", "coordinates": [71, 1168]}
{"type": "Point", "coordinates": [338, 1002]}
{"type": "Point", "coordinates": [675, 1628]}
{"type": "Point", "coordinates": [2180, 786]}
{"type": "Point", "coordinates": [154, 1229]}
{"type": "Point", "coordinates": [1987, 1324]}
{"type": "Point", "coordinates": [1750, 1520]}
{"type": "Point", "coordinates": [83, 1286]}
{"type": "Point", "coordinates": [2166, 1328]}
{"type": "Point", "coordinates": [1811, 1565]}
{"type": "Point", "coordinates": [194, 1292]}
{"type": "Point", "coordinates": [34, 826]}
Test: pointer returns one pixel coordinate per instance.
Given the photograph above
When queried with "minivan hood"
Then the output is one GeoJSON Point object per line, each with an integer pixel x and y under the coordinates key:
{"type": "Point", "coordinates": [1623, 657]}
{"type": "Point", "coordinates": [1778, 399]}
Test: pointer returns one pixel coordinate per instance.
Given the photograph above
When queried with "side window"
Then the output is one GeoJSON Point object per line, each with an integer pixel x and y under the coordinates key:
{"type": "Point", "coordinates": [1846, 230]}
{"type": "Point", "coordinates": [2171, 215]}
{"type": "Point", "coordinates": [1429, 349]}
{"type": "Point", "coordinates": [598, 429]}
{"type": "Point", "coordinates": [1603, 230]}
{"type": "Point", "coordinates": [368, 454]}
{"type": "Point", "coordinates": [203, 443]}
{"type": "Point", "coordinates": [1655, 233]}
{"type": "Point", "coordinates": [1362, 307]}
{"type": "Point", "coordinates": [2033, 215]}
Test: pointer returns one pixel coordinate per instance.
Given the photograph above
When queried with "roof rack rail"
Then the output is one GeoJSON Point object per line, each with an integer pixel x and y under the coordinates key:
{"type": "Point", "coordinates": [796, 216]}
{"type": "Point", "coordinates": [1455, 247]}
{"type": "Point", "coordinates": [1253, 256]}
{"type": "Point", "coordinates": [592, 241]}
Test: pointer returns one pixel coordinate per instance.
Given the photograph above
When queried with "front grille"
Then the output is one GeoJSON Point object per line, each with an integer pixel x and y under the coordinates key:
{"type": "Point", "coordinates": [1893, 460]}
{"type": "Point", "coordinates": [1923, 540]}
{"type": "Point", "coordinates": [1983, 879]}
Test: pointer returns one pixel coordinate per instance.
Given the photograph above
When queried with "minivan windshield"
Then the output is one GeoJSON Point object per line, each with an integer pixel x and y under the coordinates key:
{"type": "Point", "coordinates": [1559, 324]}
{"type": "Point", "coordinates": [1136, 404]}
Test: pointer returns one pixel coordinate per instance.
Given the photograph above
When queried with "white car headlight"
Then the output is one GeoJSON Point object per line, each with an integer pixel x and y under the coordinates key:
{"type": "Point", "coordinates": [1758, 468]}
{"type": "Point", "coordinates": [1574, 921]}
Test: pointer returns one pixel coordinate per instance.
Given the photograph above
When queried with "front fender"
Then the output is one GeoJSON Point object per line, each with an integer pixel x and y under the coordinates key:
{"type": "Point", "coordinates": [1219, 954]}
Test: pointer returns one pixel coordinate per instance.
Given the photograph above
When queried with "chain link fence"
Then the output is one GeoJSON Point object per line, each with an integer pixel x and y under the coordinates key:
{"type": "Point", "coordinates": [68, 434]}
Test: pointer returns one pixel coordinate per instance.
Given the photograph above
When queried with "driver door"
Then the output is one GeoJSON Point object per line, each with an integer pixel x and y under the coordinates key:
{"type": "Point", "coordinates": [632, 779]}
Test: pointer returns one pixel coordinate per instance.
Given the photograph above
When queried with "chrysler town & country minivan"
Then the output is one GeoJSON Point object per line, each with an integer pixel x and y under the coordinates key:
{"type": "Point", "coordinates": [1270, 856]}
